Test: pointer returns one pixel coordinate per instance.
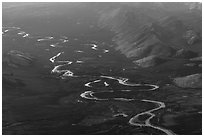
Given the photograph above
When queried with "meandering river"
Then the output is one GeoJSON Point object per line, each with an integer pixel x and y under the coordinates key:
{"type": "Point", "coordinates": [91, 94]}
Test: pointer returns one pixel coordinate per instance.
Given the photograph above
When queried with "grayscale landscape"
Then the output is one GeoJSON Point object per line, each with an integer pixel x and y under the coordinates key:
{"type": "Point", "coordinates": [101, 68]}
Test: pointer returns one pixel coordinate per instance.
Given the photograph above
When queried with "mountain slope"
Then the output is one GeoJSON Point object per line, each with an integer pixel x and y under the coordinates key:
{"type": "Point", "coordinates": [143, 30]}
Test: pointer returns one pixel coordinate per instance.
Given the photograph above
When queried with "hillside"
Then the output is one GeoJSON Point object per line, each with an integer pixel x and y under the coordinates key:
{"type": "Point", "coordinates": [158, 29]}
